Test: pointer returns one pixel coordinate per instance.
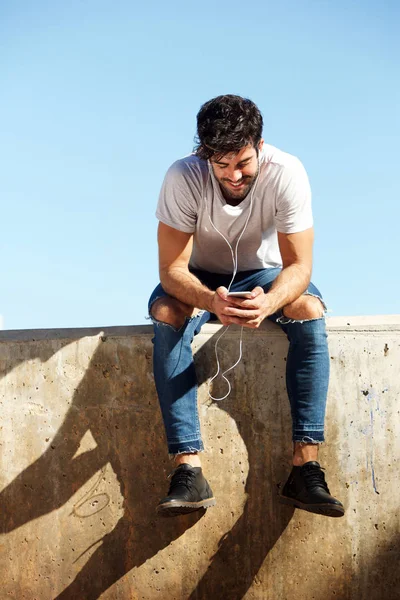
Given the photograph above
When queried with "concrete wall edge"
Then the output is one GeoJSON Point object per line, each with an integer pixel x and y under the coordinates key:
{"type": "Point", "coordinates": [381, 323]}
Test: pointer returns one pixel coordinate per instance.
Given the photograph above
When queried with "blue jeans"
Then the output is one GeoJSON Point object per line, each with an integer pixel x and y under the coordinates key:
{"type": "Point", "coordinates": [307, 366]}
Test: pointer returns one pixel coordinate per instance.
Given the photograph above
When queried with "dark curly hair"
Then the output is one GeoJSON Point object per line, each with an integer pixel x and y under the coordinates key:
{"type": "Point", "coordinates": [226, 124]}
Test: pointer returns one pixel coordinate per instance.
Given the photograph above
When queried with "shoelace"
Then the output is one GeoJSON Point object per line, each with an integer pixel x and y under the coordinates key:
{"type": "Point", "coordinates": [315, 477]}
{"type": "Point", "coordinates": [180, 478]}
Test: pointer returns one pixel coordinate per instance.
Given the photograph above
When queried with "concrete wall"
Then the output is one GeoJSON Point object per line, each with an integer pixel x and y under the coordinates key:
{"type": "Point", "coordinates": [84, 462]}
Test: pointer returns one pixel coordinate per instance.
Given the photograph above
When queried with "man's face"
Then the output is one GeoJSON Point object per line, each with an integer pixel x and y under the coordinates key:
{"type": "Point", "coordinates": [236, 173]}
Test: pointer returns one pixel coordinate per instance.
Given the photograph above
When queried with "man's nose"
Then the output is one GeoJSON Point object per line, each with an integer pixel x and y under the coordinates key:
{"type": "Point", "coordinates": [235, 175]}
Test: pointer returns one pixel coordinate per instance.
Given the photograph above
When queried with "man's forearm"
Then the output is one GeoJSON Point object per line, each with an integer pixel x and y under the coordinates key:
{"type": "Point", "coordinates": [183, 285]}
{"type": "Point", "coordinates": [288, 286]}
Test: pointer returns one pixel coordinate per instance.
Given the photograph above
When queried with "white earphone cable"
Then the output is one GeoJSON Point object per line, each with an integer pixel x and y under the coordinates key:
{"type": "Point", "coordinates": [235, 267]}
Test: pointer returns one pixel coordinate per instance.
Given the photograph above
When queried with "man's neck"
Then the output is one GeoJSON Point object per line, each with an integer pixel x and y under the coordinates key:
{"type": "Point", "coordinates": [229, 200]}
{"type": "Point", "coordinates": [232, 202]}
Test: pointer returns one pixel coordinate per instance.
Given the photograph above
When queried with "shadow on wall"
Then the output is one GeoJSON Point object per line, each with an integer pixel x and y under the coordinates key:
{"type": "Point", "coordinates": [120, 428]}
{"type": "Point", "coordinates": [379, 577]}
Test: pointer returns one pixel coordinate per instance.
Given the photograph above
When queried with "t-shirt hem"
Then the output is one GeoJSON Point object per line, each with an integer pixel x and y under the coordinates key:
{"type": "Point", "coordinates": [177, 226]}
{"type": "Point", "coordinates": [297, 229]}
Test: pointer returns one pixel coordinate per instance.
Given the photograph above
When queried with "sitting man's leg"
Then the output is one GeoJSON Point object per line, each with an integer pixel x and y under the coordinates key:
{"type": "Point", "coordinates": [175, 324]}
{"type": "Point", "coordinates": [307, 378]}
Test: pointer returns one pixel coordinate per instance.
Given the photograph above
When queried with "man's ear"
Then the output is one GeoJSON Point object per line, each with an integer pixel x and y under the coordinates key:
{"type": "Point", "coordinates": [260, 144]}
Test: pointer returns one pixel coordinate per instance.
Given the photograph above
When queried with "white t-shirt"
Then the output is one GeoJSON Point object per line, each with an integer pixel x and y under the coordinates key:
{"type": "Point", "coordinates": [190, 196]}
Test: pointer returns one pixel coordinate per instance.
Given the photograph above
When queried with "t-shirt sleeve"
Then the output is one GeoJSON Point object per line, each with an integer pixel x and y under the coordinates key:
{"type": "Point", "coordinates": [177, 203]}
{"type": "Point", "coordinates": [293, 201]}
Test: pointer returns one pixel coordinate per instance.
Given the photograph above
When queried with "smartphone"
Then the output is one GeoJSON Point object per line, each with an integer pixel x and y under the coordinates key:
{"type": "Point", "coordinates": [240, 294]}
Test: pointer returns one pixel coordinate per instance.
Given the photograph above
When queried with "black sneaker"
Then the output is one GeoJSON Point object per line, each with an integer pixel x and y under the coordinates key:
{"type": "Point", "coordinates": [306, 488]}
{"type": "Point", "coordinates": [188, 491]}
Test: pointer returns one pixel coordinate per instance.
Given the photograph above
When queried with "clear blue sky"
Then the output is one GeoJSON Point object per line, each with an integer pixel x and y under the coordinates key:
{"type": "Point", "coordinates": [99, 98]}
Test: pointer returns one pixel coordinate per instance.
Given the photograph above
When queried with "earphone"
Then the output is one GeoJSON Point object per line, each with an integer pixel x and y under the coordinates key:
{"type": "Point", "coordinates": [235, 267]}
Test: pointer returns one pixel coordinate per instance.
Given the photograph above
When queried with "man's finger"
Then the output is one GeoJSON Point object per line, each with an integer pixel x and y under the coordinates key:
{"type": "Point", "coordinates": [229, 311]}
{"type": "Point", "coordinates": [222, 292]}
{"type": "Point", "coordinates": [257, 291]}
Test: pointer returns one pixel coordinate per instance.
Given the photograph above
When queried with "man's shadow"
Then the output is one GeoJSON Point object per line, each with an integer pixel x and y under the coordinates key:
{"type": "Point", "coordinates": [264, 423]}
{"type": "Point", "coordinates": [117, 409]}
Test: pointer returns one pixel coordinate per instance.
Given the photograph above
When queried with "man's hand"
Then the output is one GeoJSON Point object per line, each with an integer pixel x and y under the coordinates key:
{"type": "Point", "coordinates": [242, 311]}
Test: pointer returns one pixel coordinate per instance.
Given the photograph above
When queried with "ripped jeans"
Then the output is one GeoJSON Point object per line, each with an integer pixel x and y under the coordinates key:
{"type": "Point", "coordinates": [307, 366]}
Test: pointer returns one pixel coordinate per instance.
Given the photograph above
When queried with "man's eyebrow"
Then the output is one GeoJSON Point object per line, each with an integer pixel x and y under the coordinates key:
{"type": "Point", "coordinates": [220, 162]}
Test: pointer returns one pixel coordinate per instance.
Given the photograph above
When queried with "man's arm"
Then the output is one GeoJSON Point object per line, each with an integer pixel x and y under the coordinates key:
{"type": "Point", "coordinates": [174, 250]}
{"type": "Point", "coordinates": [296, 253]}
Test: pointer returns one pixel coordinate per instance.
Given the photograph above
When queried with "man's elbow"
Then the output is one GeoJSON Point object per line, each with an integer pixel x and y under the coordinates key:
{"type": "Point", "coordinates": [167, 273]}
{"type": "Point", "coordinates": [304, 269]}
{"type": "Point", "coordinates": [307, 272]}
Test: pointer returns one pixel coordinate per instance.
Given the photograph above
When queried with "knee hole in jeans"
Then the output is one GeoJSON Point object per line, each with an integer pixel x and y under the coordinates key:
{"type": "Point", "coordinates": [304, 308]}
{"type": "Point", "coordinates": [171, 311]}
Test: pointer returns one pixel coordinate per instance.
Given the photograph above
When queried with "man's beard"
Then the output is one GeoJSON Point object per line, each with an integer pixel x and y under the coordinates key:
{"type": "Point", "coordinates": [231, 195]}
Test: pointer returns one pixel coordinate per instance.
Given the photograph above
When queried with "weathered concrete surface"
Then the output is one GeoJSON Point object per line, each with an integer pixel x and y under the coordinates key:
{"type": "Point", "coordinates": [83, 464]}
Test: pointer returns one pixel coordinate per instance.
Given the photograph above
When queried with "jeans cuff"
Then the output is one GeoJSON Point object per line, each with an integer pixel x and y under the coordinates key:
{"type": "Point", "coordinates": [187, 447]}
{"type": "Point", "coordinates": [310, 436]}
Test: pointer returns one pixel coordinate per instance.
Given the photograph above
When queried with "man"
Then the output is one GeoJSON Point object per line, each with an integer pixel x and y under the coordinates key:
{"type": "Point", "coordinates": [236, 195]}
